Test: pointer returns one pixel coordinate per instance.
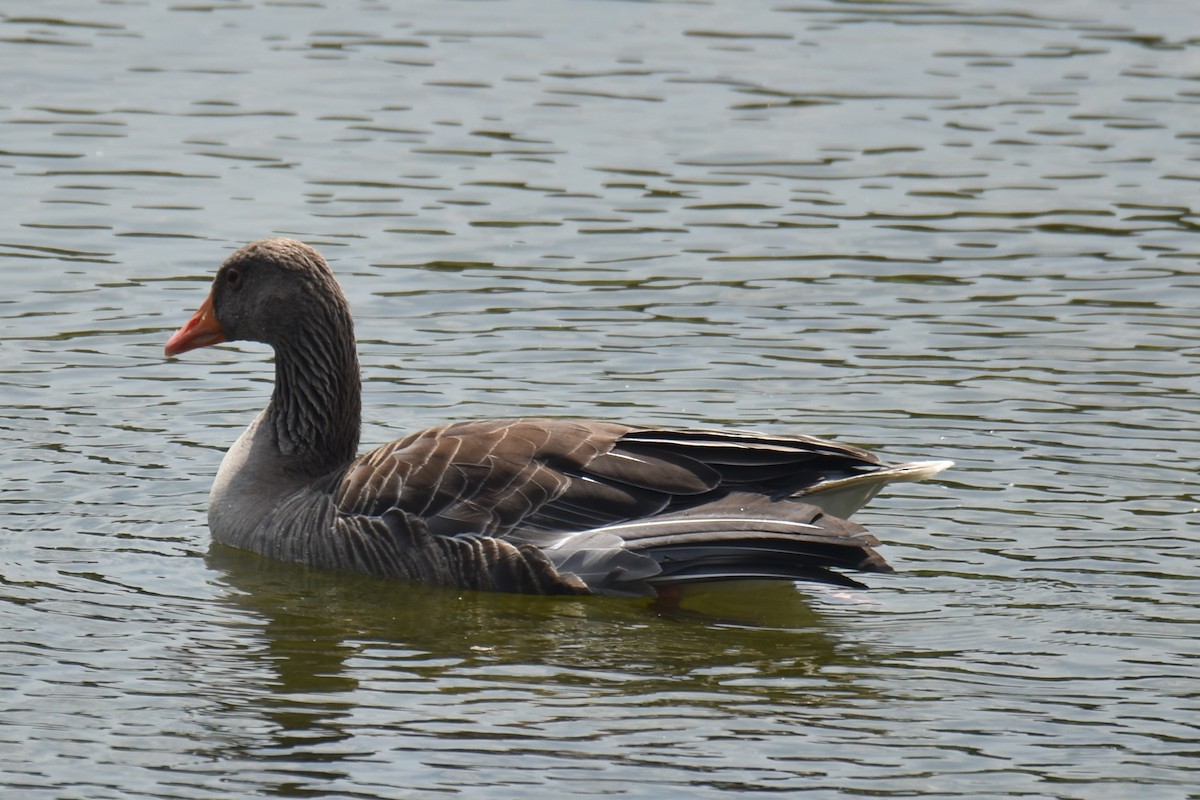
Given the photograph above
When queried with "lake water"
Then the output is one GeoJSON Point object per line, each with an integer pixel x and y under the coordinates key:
{"type": "Point", "coordinates": [963, 230]}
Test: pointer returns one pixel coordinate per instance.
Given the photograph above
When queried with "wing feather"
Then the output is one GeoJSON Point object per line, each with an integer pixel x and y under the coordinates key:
{"type": "Point", "coordinates": [555, 505]}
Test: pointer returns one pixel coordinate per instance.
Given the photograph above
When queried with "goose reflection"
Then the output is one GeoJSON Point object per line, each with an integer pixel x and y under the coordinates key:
{"type": "Point", "coordinates": [325, 634]}
{"type": "Point", "coordinates": [351, 669]}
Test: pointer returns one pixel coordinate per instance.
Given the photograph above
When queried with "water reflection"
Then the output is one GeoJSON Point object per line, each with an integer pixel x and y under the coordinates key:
{"type": "Point", "coordinates": [341, 649]}
{"type": "Point", "coordinates": [315, 620]}
{"type": "Point", "coordinates": [967, 227]}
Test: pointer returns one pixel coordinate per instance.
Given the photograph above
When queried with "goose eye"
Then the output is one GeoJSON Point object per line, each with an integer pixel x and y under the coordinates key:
{"type": "Point", "coordinates": [233, 278]}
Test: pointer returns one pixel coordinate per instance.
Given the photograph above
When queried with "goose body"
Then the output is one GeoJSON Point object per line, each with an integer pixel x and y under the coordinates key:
{"type": "Point", "coordinates": [549, 506]}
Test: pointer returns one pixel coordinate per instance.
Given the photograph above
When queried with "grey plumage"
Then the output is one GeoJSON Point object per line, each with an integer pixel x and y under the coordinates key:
{"type": "Point", "coordinates": [544, 506]}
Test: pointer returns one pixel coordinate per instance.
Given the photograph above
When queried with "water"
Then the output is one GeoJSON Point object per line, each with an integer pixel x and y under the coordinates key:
{"type": "Point", "coordinates": [943, 231]}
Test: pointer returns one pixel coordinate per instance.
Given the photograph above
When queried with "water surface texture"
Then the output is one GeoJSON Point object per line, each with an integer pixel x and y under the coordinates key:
{"type": "Point", "coordinates": [959, 230]}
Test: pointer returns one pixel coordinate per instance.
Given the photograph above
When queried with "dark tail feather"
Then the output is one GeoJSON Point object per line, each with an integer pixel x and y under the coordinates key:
{"type": "Point", "coordinates": [712, 573]}
{"type": "Point", "coordinates": [696, 546]}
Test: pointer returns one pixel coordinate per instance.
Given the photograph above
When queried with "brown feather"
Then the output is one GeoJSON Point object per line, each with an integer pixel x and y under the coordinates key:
{"type": "Point", "coordinates": [546, 506]}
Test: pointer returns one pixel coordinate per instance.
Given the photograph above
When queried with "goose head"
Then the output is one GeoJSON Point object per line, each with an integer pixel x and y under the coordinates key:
{"type": "Point", "coordinates": [276, 291]}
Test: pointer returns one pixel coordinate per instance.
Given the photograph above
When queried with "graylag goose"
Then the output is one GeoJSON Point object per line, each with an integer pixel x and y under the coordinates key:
{"type": "Point", "coordinates": [544, 506]}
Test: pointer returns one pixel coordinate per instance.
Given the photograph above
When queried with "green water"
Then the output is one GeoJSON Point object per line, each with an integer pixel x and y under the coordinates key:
{"type": "Point", "coordinates": [963, 231]}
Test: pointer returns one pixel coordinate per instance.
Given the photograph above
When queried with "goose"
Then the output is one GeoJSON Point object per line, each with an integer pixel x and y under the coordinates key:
{"type": "Point", "coordinates": [530, 505]}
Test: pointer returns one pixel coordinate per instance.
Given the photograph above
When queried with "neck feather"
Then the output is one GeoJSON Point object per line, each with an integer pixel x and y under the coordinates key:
{"type": "Point", "coordinates": [316, 409]}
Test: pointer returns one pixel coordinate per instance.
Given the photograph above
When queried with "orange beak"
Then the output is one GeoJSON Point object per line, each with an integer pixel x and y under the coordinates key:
{"type": "Point", "coordinates": [199, 331]}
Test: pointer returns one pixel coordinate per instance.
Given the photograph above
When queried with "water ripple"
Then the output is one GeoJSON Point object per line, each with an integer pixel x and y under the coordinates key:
{"type": "Point", "coordinates": [962, 231]}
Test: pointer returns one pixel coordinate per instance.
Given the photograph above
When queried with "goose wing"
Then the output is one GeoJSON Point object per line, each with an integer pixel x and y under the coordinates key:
{"type": "Point", "coordinates": [567, 506]}
{"type": "Point", "coordinates": [497, 477]}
